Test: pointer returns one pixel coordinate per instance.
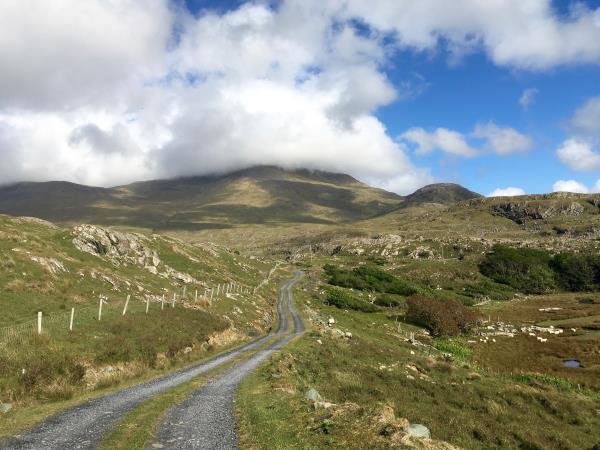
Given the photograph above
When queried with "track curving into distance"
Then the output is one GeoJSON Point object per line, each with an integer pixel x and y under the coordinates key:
{"type": "Point", "coordinates": [206, 419]}
{"type": "Point", "coordinates": [84, 426]}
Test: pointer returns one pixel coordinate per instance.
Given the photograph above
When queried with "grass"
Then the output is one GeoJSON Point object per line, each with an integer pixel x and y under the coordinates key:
{"type": "Point", "coordinates": [486, 410]}
{"type": "Point", "coordinates": [41, 374]}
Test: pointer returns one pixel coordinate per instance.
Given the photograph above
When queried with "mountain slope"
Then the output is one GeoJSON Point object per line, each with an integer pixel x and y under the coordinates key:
{"type": "Point", "coordinates": [259, 195]}
{"type": "Point", "coordinates": [443, 193]}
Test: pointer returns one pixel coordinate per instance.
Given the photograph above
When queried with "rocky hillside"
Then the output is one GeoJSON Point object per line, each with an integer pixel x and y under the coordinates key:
{"type": "Point", "coordinates": [44, 267]}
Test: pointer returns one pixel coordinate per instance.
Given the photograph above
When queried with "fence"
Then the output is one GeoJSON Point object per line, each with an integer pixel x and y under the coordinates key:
{"type": "Point", "coordinates": [61, 323]}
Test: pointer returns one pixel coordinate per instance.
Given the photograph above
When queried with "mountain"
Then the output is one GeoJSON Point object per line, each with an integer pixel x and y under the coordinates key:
{"type": "Point", "coordinates": [442, 193]}
{"type": "Point", "coordinates": [258, 195]}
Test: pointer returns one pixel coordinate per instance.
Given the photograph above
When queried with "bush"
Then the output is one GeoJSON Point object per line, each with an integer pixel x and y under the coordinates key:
{"type": "Point", "coordinates": [535, 271]}
{"type": "Point", "coordinates": [389, 301]}
{"type": "Point", "coordinates": [344, 300]}
{"type": "Point", "coordinates": [576, 273]}
{"type": "Point", "coordinates": [367, 278]}
{"type": "Point", "coordinates": [440, 317]}
{"type": "Point", "coordinates": [524, 269]}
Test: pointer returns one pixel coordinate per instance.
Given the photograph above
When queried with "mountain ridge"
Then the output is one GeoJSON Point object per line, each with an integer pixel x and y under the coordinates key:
{"type": "Point", "coordinates": [257, 195]}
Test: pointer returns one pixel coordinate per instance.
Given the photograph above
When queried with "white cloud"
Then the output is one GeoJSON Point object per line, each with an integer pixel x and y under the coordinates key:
{"type": "Point", "coordinates": [578, 155]}
{"type": "Point", "coordinates": [570, 186]}
{"type": "Point", "coordinates": [506, 192]}
{"type": "Point", "coordinates": [448, 141]}
{"type": "Point", "coordinates": [528, 97]}
{"type": "Point", "coordinates": [502, 140]}
{"type": "Point", "coordinates": [528, 34]}
{"type": "Point", "coordinates": [586, 119]}
{"type": "Point", "coordinates": [106, 92]}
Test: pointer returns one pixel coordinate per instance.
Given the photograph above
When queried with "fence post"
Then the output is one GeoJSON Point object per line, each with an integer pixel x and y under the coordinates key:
{"type": "Point", "coordinates": [147, 304]}
{"type": "Point", "coordinates": [174, 296]}
{"type": "Point", "coordinates": [218, 288]}
{"type": "Point", "coordinates": [71, 321]}
{"type": "Point", "coordinates": [39, 323]}
{"type": "Point", "coordinates": [162, 305]}
{"type": "Point", "coordinates": [196, 296]}
{"type": "Point", "coordinates": [184, 287]}
{"type": "Point", "coordinates": [100, 310]}
{"type": "Point", "coordinates": [126, 304]}
{"type": "Point", "coordinates": [212, 291]}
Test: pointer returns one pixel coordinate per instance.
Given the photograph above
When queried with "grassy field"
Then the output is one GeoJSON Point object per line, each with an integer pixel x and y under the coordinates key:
{"type": "Point", "coordinates": [42, 270]}
{"type": "Point", "coordinates": [460, 400]}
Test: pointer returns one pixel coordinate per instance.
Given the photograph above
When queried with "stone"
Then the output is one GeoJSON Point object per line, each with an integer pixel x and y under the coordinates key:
{"type": "Point", "coordinates": [348, 335]}
{"type": "Point", "coordinates": [331, 321]}
{"type": "Point", "coordinates": [313, 395]}
{"type": "Point", "coordinates": [5, 407]}
{"type": "Point", "coordinates": [473, 376]}
{"type": "Point", "coordinates": [418, 431]}
{"type": "Point", "coordinates": [187, 350]}
{"type": "Point", "coordinates": [324, 405]}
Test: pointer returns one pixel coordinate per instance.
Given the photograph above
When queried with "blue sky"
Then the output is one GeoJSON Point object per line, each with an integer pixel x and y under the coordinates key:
{"type": "Point", "coordinates": [398, 93]}
{"type": "Point", "coordinates": [458, 95]}
{"type": "Point", "coordinates": [476, 90]}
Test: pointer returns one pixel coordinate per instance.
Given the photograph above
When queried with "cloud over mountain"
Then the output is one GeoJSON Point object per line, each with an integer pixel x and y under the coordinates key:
{"type": "Point", "coordinates": [108, 92]}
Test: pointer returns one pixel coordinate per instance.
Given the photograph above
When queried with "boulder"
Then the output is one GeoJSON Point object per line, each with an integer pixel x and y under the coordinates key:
{"type": "Point", "coordinates": [418, 431]}
{"type": "Point", "coordinates": [313, 395]}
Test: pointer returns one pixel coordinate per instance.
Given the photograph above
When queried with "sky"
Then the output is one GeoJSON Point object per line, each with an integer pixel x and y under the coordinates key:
{"type": "Point", "coordinates": [501, 96]}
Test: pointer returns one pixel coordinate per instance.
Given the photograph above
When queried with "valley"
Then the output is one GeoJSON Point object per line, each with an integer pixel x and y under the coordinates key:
{"type": "Point", "coordinates": [442, 313]}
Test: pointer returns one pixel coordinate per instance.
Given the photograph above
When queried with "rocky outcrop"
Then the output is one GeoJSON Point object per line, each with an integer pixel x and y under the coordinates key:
{"type": "Point", "coordinates": [123, 249]}
{"type": "Point", "coordinates": [521, 212]}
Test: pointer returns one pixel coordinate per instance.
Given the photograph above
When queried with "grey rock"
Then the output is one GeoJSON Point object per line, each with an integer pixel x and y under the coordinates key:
{"type": "Point", "coordinates": [418, 431]}
{"type": "Point", "coordinates": [313, 395]}
{"type": "Point", "coordinates": [5, 407]}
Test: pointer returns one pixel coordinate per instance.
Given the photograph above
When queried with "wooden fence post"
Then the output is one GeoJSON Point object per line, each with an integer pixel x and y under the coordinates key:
{"type": "Point", "coordinates": [126, 305]}
{"type": "Point", "coordinates": [71, 321]}
{"type": "Point", "coordinates": [147, 304]}
{"type": "Point", "coordinates": [184, 287]}
{"type": "Point", "coordinates": [162, 305]}
{"type": "Point", "coordinates": [212, 291]}
{"type": "Point", "coordinates": [196, 296]}
{"type": "Point", "coordinates": [100, 310]}
{"type": "Point", "coordinates": [174, 296]}
{"type": "Point", "coordinates": [39, 323]}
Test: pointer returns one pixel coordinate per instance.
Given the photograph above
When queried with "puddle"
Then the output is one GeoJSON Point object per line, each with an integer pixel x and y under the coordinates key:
{"type": "Point", "coordinates": [572, 363]}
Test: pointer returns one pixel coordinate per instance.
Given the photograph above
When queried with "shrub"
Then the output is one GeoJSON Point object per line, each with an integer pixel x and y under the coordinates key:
{"type": "Point", "coordinates": [344, 300]}
{"type": "Point", "coordinates": [535, 271]}
{"type": "Point", "coordinates": [440, 317]}
{"type": "Point", "coordinates": [524, 269]}
{"type": "Point", "coordinates": [389, 301]}
{"type": "Point", "coordinates": [575, 272]}
{"type": "Point", "coordinates": [367, 278]}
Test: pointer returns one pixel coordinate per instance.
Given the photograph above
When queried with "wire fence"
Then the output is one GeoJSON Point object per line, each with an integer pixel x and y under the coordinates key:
{"type": "Point", "coordinates": [61, 323]}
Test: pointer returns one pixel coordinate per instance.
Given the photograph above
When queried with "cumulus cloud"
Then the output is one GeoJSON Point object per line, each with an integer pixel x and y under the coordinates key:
{"type": "Point", "coordinates": [105, 92]}
{"type": "Point", "coordinates": [448, 141]}
{"type": "Point", "coordinates": [507, 192]}
{"type": "Point", "coordinates": [502, 140]}
{"type": "Point", "coordinates": [578, 155]}
{"type": "Point", "coordinates": [570, 186]}
{"type": "Point", "coordinates": [528, 34]}
{"type": "Point", "coordinates": [527, 98]}
{"type": "Point", "coordinates": [586, 119]}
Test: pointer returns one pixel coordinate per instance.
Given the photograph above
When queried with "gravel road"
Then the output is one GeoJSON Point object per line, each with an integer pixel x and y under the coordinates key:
{"type": "Point", "coordinates": [206, 419]}
{"type": "Point", "coordinates": [84, 426]}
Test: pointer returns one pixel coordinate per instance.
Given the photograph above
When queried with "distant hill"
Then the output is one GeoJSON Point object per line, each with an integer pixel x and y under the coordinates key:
{"type": "Point", "coordinates": [442, 193]}
{"type": "Point", "coordinates": [258, 195]}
